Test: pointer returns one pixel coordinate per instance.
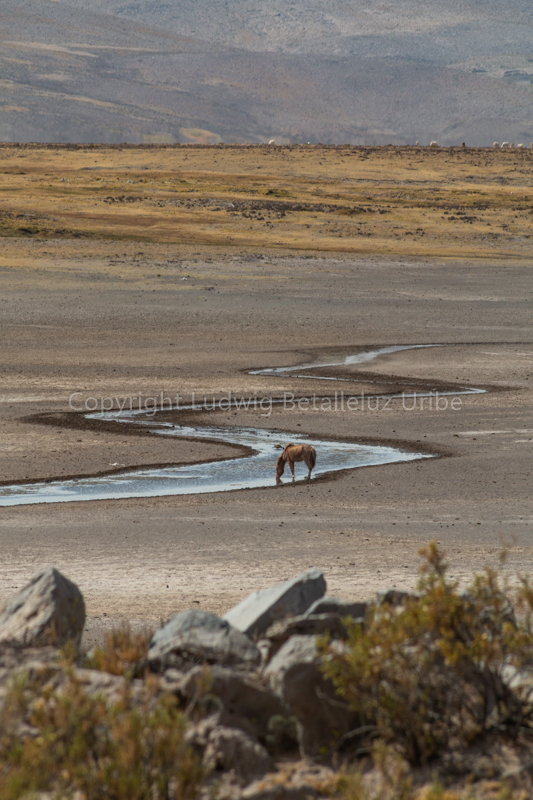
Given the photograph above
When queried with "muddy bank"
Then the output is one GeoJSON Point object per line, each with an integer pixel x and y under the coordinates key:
{"type": "Point", "coordinates": [259, 450]}
{"type": "Point", "coordinates": [96, 318]}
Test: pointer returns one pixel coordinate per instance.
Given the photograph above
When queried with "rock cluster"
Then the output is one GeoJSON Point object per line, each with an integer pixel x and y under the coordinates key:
{"type": "Point", "coordinates": [269, 641]}
{"type": "Point", "coordinates": [262, 717]}
{"type": "Point", "coordinates": [251, 680]}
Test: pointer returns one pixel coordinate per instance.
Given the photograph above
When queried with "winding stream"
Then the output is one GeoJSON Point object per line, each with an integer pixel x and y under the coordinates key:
{"type": "Point", "coordinates": [249, 472]}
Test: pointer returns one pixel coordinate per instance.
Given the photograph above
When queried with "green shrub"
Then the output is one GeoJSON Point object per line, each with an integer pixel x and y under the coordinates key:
{"type": "Point", "coordinates": [427, 675]}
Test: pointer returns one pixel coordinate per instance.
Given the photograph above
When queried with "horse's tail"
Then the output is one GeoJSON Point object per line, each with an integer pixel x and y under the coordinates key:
{"type": "Point", "coordinates": [312, 457]}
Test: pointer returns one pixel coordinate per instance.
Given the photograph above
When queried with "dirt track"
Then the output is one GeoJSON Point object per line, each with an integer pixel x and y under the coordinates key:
{"type": "Point", "coordinates": [75, 320]}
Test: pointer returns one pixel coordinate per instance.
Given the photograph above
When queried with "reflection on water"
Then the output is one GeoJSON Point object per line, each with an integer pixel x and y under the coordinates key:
{"type": "Point", "coordinates": [250, 472]}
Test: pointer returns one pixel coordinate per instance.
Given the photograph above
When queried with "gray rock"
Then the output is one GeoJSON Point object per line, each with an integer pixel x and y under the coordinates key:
{"type": "Point", "coordinates": [34, 663]}
{"type": "Point", "coordinates": [231, 749]}
{"type": "Point", "coordinates": [197, 734]}
{"type": "Point", "coordinates": [48, 611]}
{"type": "Point", "coordinates": [520, 681]}
{"type": "Point", "coordinates": [294, 675]}
{"type": "Point", "coordinates": [306, 625]}
{"type": "Point", "coordinates": [197, 637]}
{"type": "Point", "coordinates": [261, 609]}
{"type": "Point", "coordinates": [264, 646]}
{"type": "Point", "coordinates": [332, 605]}
{"type": "Point", "coordinates": [392, 597]}
{"type": "Point", "coordinates": [243, 703]}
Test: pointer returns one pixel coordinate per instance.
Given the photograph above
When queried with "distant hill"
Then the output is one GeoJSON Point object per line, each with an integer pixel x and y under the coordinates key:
{"type": "Point", "coordinates": [418, 29]}
{"type": "Point", "coordinates": [251, 70]}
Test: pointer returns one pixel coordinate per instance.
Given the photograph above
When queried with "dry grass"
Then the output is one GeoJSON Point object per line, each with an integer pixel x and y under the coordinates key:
{"type": "Point", "coordinates": [375, 200]}
{"type": "Point", "coordinates": [77, 745]}
{"type": "Point", "coordinates": [123, 652]}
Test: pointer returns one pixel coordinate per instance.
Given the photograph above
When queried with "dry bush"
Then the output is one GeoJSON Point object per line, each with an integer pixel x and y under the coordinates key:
{"type": "Point", "coordinates": [124, 652]}
{"type": "Point", "coordinates": [427, 676]}
{"type": "Point", "coordinates": [73, 744]}
{"type": "Point", "coordinates": [392, 778]}
{"type": "Point", "coordinates": [353, 786]}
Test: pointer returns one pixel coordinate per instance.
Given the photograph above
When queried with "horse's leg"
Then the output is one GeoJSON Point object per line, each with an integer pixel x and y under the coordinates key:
{"type": "Point", "coordinates": [291, 465]}
{"type": "Point", "coordinates": [309, 467]}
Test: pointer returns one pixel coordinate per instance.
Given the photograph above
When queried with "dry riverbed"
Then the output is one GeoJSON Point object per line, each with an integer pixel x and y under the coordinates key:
{"type": "Point", "coordinates": [101, 316]}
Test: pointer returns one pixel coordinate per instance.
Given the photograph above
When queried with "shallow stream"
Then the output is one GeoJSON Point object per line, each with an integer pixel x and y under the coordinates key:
{"type": "Point", "coordinates": [249, 472]}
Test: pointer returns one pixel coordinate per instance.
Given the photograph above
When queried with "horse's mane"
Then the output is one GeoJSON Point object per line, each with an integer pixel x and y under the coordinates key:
{"type": "Point", "coordinates": [287, 447]}
{"type": "Point", "coordinates": [282, 460]}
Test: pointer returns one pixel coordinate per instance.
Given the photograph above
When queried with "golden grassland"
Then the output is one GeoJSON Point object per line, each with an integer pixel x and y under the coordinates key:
{"type": "Point", "coordinates": [407, 201]}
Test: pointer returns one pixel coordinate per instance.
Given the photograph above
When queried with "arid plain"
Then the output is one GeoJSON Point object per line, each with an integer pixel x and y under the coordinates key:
{"type": "Point", "coordinates": [177, 269]}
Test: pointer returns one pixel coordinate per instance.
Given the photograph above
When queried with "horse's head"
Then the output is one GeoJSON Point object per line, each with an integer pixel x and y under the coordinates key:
{"type": "Point", "coordinates": [280, 468]}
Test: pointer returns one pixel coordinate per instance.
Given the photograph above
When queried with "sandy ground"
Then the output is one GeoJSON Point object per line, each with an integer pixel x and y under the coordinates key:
{"type": "Point", "coordinates": [99, 320]}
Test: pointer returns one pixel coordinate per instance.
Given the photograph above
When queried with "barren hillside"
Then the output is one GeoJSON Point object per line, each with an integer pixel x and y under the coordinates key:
{"type": "Point", "coordinates": [246, 71]}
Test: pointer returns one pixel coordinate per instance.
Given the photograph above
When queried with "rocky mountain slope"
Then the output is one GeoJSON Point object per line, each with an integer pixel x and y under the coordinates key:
{"type": "Point", "coordinates": [415, 28]}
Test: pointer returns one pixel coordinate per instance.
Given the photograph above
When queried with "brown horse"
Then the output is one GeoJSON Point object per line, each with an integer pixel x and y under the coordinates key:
{"type": "Point", "coordinates": [292, 453]}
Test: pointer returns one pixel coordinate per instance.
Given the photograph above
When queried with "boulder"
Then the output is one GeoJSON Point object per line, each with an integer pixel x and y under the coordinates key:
{"type": "Point", "coordinates": [322, 717]}
{"type": "Point", "coordinates": [197, 637]}
{"type": "Point", "coordinates": [261, 609]}
{"type": "Point", "coordinates": [305, 625]}
{"type": "Point", "coordinates": [332, 605]}
{"type": "Point", "coordinates": [243, 703]}
{"type": "Point", "coordinates": [231, 749]}
{"type": "Point", "coordinates": [49, 611]}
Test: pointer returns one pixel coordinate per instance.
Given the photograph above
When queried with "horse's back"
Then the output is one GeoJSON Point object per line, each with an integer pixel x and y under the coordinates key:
{"type": "Point", "coordinates": [301, 452]}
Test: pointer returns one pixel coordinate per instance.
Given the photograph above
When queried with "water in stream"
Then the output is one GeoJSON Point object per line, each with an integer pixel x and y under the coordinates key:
{"type": "Point", "coordinates": [250, 472]}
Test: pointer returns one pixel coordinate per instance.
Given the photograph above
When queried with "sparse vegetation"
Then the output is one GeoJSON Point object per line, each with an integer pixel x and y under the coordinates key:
{"type": "Point", "coordinates": [302, 197]}
{"type": "Point", "coordinates": [123, 652]}
{"type": "Point", "coordinates": [71, 743]}
{"type": "Point", "coordinates": [393, 780]}
{"type": "Point", "coordinates": [432, 675]}
{"type": "Point", "coordinates": [442, 681]}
